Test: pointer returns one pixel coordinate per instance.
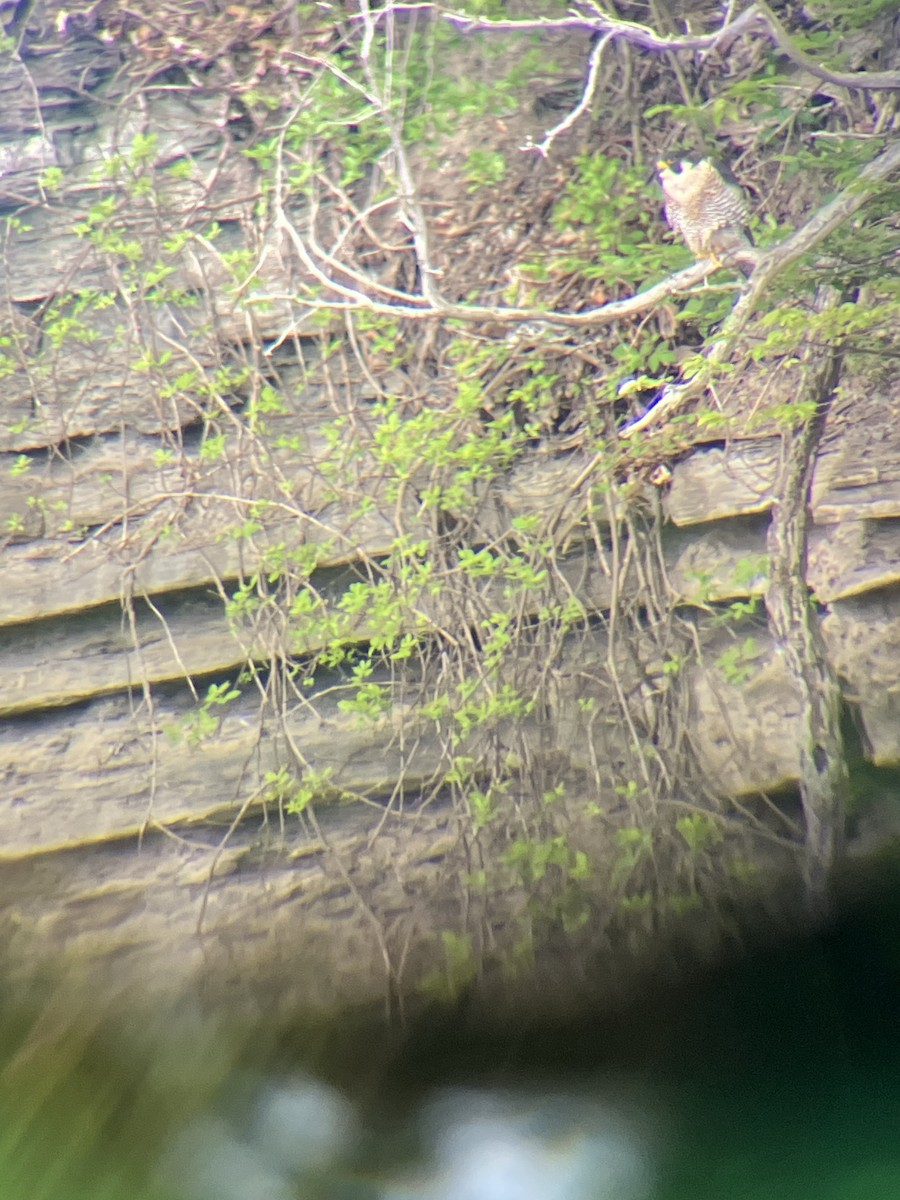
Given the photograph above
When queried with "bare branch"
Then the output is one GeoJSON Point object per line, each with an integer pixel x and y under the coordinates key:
{"type": "Point", "coordinates": [590, 86]}
{"type": "Point", "coordinates": [829, 217]}
{"type": "Point", "coordinates": [641, 35]}
{"type": "Point", "coordinates": [370, 295]}
{"type": "Point", "coordinates": [355, 291]}
{"type": "Point", "coordinates": [771, 264]}
{"type": "Point", "coordinates": [882, 81]}
{"type": "Point", "coordinates": [417, 308]}
{"type": "Point", "coordinates": [758, 18]}
{"type": "Point", "coordinates": [408, 191]}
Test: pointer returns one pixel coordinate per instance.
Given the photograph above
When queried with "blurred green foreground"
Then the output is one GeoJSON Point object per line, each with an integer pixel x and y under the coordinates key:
{"type": "Point", "coordinates": [775, 1076]}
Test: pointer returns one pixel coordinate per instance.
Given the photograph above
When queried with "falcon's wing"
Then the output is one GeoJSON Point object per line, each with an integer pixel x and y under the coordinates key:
{"type": "Point", "coordinates": [671, 213]}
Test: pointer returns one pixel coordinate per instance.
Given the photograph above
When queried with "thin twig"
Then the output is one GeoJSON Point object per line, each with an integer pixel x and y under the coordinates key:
{"type": "Point", "coordinates": [583, 104]}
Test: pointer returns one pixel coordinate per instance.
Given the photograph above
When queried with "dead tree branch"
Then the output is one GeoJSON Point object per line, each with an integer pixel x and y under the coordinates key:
{"type": "Point", "coordinates": [416, 307]}
{"type": "Point", "coordinates": [771, 264]}
{"type": "Point", "coordinates": [587, 95]}
{"type": "Point", "coordinates": [756, 19]}
{"type": "Point", "coordinates": [408, 192]}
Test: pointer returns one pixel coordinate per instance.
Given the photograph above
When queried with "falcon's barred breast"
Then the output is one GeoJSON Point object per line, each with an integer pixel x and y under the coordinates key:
{"type": "Point", "coordinates": [709, 211]}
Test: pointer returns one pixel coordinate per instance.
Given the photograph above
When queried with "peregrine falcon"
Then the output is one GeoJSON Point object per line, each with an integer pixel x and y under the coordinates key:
{"type": "Point", "coordinates": [706, 206]}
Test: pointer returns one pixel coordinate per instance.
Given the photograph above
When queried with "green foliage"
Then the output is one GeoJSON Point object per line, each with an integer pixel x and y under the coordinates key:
{"type": "Point", "coordinates": [440, 445]}
{"type": "Point", "coordinates": [297, 797]}
{"type": "Point", "coordinates": [534, 861]}
{"type": "Point", "coordinates": [531, 860]}
{"type": "Point", "coordinates": [21, 466]}
{"type": "Point", "coordinates": [611, 203]}
{"type": "Point", "coordinates": [342, 118]}
{"type": "Point", "coordinates": [370, 700]}
{"type": "Point", "coordinates": [634, 844]}
{"type": "Point", "coordinates": [700, 832]}
{"type": "Point", "coordinates": [736, 611]}
{"type": "Point", "coordinates": [738, 662]}
{"type": "Point", "coordinates": [448, 983]}
{"type": "Point", "coordinates": [485, 168]}
{"type": "Point", "coordinates": [52, 179]}
{"type": "Point", "coordinates": [857, 15]}
{"type": "Point", "coordinates": [204, 721]}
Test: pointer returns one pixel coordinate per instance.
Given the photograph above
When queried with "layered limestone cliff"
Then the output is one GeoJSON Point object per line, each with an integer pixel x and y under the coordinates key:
{"type": "Point", "coordinates": [128, 526]}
